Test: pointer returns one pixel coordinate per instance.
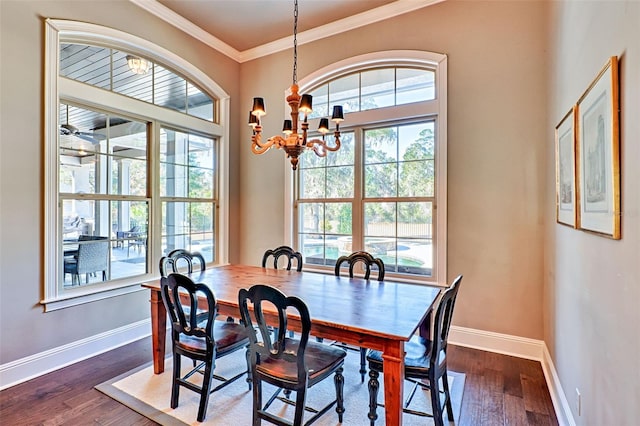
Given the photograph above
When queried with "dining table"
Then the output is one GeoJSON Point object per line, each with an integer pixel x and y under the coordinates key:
{"type": "Point", "coordinates": [366, 313]}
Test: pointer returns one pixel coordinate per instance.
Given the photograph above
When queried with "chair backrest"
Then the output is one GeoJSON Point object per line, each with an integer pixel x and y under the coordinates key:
{"type": "Point", "coordinates": [265, 348]}
{"type": "Point", "coordinates": [173, 261]}
{"type": "Point", "coordinates": [185, 317]}
{"type": "Point", "coordinates": [93, 254]}
{"type": "Point", "coordinates": [442, 322]}
{"type": "Point", "coordinates": [361, 257]}
{"type": "Point", "coordinates": [286, 251]}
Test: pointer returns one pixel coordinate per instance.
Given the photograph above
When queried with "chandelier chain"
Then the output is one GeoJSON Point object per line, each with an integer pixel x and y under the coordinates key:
{"type": "Point", "coordinates": [295, 41]}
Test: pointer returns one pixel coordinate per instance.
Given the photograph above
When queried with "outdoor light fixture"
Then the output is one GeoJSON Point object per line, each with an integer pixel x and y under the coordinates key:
{"type": "Point", "coordinates": [137, 65]}
{"type": "Point", "coordinates": [294, 143]}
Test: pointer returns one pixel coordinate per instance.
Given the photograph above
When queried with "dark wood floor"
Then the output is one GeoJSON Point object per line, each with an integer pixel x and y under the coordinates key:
{"type": "Point", "coordinates": [499, 390]}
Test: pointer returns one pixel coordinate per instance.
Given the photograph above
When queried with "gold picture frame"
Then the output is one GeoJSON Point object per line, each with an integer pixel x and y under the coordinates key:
{"type": "Point", "coordinates": [598, 154]}
{"type": "Point", "coordinates": [566, 170]}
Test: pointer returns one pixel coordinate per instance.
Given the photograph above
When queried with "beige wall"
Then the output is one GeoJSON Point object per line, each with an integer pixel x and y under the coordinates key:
{"type": "Point", "coordinates": [497, 98]}
{"type": "Point", "coordinates": [592, 284]}
{"type": "Point", "coordinates": [24, 328]}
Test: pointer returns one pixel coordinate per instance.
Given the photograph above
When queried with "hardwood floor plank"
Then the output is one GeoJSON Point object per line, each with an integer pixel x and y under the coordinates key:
{"type": "Point", "coordinates": [498, 390]}
{"type": "Point", "coordinates": [514, 412]}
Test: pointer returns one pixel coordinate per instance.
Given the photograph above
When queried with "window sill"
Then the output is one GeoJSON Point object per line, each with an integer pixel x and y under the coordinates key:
{"type": "Point", "coordinates": [74, 299]}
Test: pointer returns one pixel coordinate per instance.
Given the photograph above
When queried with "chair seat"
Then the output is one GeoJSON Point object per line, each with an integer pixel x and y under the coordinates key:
{"type": "Point", "coordinates": [416, 360]}
{"type": "Point", "coordinates": [229, 337]}
{"type": "Point", "coordinates": [321, 361]}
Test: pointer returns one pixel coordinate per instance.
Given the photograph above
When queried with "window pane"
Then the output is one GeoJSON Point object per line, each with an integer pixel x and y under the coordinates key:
{"type": "Point", "coordinates": [380, 180]}
{"type": "Point", "coordinates": [129, 83]}
{"type": "Point", "coordinates": [340, 182]}
{"type": "Point", "coordinates": [378, 88]}
{"type": "Point", "coordinates": [414, 219]}
{"type": "Point", "coordinates": [187, 165]}
{"type": "Point", "coordinates": [416, 141]}
{"type": "Point", "coordinates": [381, 145]}
{"type": "Point", "coordinates": [312, 182]}
{"type": "Point", "coordinates": [338, 218]}
{"type": "Point", "coordinates": [87, 64]}
{"type": "Point", "coordinates": [345, 91]}
{"type": "Point", "coordinates": [311, 219]}
{"type": "Point", "coordinates": [414, 85]}
{"type": "Point", "coordinates": [200, 182]}
{"type": "Point", "coordinates": [380, 219]}
{"type": "Point", "coordinates": [189, 226]}
{"type": "Point", "coordinates": [199, 103]}
{"type": "Point", "coordinates": [416, 179]}
{"type": "Point", "coordinates": [170, 90]}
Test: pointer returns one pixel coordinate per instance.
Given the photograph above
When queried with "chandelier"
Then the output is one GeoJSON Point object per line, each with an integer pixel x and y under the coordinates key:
{"type": "Point", "coordinates": [294, 143]}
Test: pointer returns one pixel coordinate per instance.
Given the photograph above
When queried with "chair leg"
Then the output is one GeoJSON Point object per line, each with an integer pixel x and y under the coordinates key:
{"type": "Point", "coordinates": [205, 391]}
{"type": "Point", "coordinates": [175, 387]}
{"type": "Point", "coordinates": [448, 405]}
{"type": "Point", "coordinates": [301, 397]}
{"type": "Point", "coordinates": [363, 364]}
{"type": "Point", "coordinates": [338, 380]}
{"type": "Point", "coordinates": [436, 408]}
{"type": "Point", "coordinates": [257, 400]}
{"type": "Point", "coordinates": [248, 357]}
{"type": "Point", "coordinates": [374, 386]}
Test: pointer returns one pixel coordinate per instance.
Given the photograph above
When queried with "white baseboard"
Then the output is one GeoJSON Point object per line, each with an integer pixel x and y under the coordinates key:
{"type": "Point", "coordinates": [520, 347]}
{"type": "Point", "coordinates": [558, 397]}
{"type": "Point", "coordinates": [24, 369]}
{"type": "Point", "coordinates": [505, 344]}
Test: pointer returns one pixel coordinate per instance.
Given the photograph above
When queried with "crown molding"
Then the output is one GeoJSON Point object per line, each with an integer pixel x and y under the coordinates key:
{"type": "Point", "coordinates": [381, 13]}
{"type": "Point", "coordinates": [169, 16]}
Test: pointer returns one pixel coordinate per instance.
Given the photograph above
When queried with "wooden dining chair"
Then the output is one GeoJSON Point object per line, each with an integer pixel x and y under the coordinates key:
{"type": "Point", "coordinates": [285, 251]}
{"type": "Point", "coordinates": [424, 360]}
{"type": "Point", "coordinates": [364, 258]}
{"type": "Point", "coordinates": [290, 364]}
{"type": "Point", "coordinates": [177, 259]}
{"type": "Point", "coordinates": [203, 341]}
{"type": "Point", "coordinates": [368, 261]}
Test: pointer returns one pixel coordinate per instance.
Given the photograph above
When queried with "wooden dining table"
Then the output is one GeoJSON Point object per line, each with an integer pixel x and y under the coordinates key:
{"type": "Point", "coordinates": [371, 314]}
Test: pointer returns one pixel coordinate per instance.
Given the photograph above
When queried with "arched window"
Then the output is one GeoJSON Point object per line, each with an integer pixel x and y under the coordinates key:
{"type": "Point", "coordinates": [384, 191]}
{"type": "Point", "coordinates": [135, 148]}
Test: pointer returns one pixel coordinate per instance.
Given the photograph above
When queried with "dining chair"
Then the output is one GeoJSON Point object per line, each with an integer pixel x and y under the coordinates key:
{"type": "Point", "coordinates": [290, 364]}
{"type": "Point", "coordinates": [368, 261]}
{"type": "Point", "coordinates": [424, 360]}
{"type": "Point", "coordinates": [174, 261]}
{"type": "Point", "coordinates": [285, 251]}
{"type": "Point", "coordinates": [201, 341]}
{"type": "Point", "coordinates": [364, 258]}
{"type": "Point", "coordinates": [290, 254]}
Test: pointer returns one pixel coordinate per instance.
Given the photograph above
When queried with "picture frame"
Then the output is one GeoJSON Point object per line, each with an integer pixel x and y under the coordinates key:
{"type": "Point", "coordinates": [565, 136]}
{"type": "Point", "coordinates": [598, 154]}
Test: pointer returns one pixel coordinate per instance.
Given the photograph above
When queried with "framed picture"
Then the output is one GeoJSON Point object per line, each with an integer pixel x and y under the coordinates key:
{"type": "Point", "coordinates": [566, 170]}
{"type": "Point", "coordinates": [598, 154]}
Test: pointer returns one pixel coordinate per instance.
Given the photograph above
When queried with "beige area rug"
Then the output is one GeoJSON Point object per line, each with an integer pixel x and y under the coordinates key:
{"type": "Point", "coordinates": [149, 394]}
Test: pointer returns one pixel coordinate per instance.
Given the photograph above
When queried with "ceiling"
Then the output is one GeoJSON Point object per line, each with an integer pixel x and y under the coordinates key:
{"type": "Point", "coordinates": [246, 29]}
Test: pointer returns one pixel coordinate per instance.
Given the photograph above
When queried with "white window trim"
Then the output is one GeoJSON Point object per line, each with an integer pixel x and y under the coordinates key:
{"type": "Point", "coordinates": [81, 32]}
{"type": "Point", "coordinates": [437, 61]}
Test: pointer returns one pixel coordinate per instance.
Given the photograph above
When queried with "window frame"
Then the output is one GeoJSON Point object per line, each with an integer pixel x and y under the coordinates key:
{"type": "Point", "coordinates": [434, 109]}
{"type": "Point", "coordinates": [63, 31]}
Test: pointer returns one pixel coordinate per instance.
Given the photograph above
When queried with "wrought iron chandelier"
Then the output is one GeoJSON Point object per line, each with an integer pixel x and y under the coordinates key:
{"type": "Point", "coordinates": [294, 143]}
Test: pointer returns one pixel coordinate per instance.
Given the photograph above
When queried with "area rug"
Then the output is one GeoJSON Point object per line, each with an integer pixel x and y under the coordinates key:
{"type": "Point", "coordinates": [149, 395]}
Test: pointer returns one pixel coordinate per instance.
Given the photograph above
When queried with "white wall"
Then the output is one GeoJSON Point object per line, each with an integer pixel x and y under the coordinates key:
{"type": "Point", "coordinates": [592, 284]}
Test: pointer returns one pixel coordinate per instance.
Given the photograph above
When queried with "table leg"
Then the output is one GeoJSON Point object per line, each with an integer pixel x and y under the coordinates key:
{"type": "Point", "coordinates": [158, 330]}
{"type": "Point", "coordinates": [393, 359]}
